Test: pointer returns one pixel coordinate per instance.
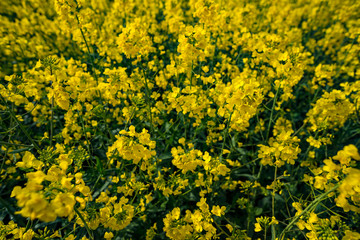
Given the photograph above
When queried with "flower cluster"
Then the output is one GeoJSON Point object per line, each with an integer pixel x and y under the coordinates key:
{"type": "Point", "coordinates": [193, 224]}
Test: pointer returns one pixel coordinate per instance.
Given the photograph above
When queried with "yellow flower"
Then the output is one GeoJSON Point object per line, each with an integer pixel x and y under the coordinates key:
{"type": "Point", "coordinates": [151, 233]}
{"type": "Point", "coordinates": [196, 218]}
{"type": "Point", "coordinates": [350, 235]}
{"type": "Point", "coordinates": [108, 235]}
{"type": "Point", "coordinates": [218, 211]}
{"type": "Point", "coordinates": [320, 182]}
{"type": "Point", "coordinates": [175, 213]}
{"type": "Point", "coordinates": [313, 218]}
{"type": "Point", "coordinates": [222, 169]}
{"type": "Point", "coordinates": [27, 161]}
{"type": "Point", "coordinates": [273, 221]}
{"type": "Point", "coordinates": [70, 237]}
{"type": "Point", "coordinates": [182, 141]}
{"type": "Point", "coordinates": [257, 227]}
{"type": "Point", "coordinates": [352, 151]}
{"type": "Point", "coordinates": [203, 205]}
{"type": "Point", "coordinates": [63, 204]}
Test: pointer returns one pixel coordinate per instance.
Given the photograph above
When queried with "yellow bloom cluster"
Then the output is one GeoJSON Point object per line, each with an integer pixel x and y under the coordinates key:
{"type": "Point", "coordinates": [134, 146]}
{"type": "Point", "coordinates": [345, 179]}
{"type": "Point", "coordinates": [49, 195]}
{"type": "Point", "coordinates": [193, 224]}
{"type": "Point", "coordinates": [330, 111]}
{"type": "Point", "coordinates": [282, 149]}
{"type": "Point", "coordinates": [336, 171]}
{"type": "Point", "coordinates": [114, 215]}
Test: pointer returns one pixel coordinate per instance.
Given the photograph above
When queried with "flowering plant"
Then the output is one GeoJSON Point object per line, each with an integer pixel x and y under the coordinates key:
{"type": "Point", "coordinates": [191, 119]}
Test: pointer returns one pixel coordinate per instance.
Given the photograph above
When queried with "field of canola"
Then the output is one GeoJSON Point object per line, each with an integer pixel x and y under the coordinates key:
{"type": "Point", "coordinates": [189, 119]}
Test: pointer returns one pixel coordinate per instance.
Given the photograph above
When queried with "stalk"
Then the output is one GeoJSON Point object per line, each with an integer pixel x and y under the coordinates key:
{"type": "Point", "coordinates": [312, 205]}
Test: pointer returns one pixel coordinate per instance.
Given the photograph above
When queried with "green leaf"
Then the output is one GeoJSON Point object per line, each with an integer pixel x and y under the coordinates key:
{"type": "Point", "coordinates": [20, 150]}
{"type": "Point", "coordinates": [99, 165]}
{"type": "Point", "coordinates": [258, 211]}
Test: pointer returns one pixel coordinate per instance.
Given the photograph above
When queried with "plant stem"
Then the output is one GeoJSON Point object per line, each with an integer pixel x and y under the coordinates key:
{"type": "Point", "coordinates": [12, 114]}
{"type": "Point", "coordinates": [148, 101]}
{"type": "Point", "coordinates": [52, 112]}
{"type": "Point", "coordinates": [307, 209]}
{"type": "Point", "coordinates": [225, 134]}
{"type": "Point", "coordinates": [85, 224]}
{"type": "Point", "coordinates": [15, 144]}
{"type": "Point", "coordinates": [271, 114]}
{"type": "Point", "coordinates": [273, 231]}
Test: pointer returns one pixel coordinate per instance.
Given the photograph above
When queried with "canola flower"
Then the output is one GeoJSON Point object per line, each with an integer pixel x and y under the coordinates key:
{"type": "Point", "coordinates": [191, 119]}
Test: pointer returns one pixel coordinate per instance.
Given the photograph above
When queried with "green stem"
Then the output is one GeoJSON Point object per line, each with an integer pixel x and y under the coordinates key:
{"type": "Point", "coordinates": [12, 114]}
{"type": "Point", "coordinates": [299, 129]}
{"type": "Point", "coordinates": [309, 147]}
{"type": "Point", "coordinates": [312, 205]}
{"type": "Point", "coordinates": [15, 144]}
{"type": "Point", "coordinates": [272, 113]}
{"type": "Point", "coordinates": [273, 231]}
{"type": "Point", "coordinates": [87, 139]}
{"type": "Point", "coordinates": [52, 120]}
{"type": "Point", "coordinates": [52, 112]}
{"type": "Point", "coordinates": [85, 224]}
{"type": "Point", "coordinates": [148, 101]}
{"type": "Point", "coordinates": [87, 47]}
{"type": "Point", "coordinates": [92, 58]}
{"type": "Point", "coordinates": [346, 54]}
{"type": "Point", "coordinates": [265, 229]}
{"type": "Point", "coordinates": [222, 230]}
{"type": "Point", "coordinates": [225, 134]}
